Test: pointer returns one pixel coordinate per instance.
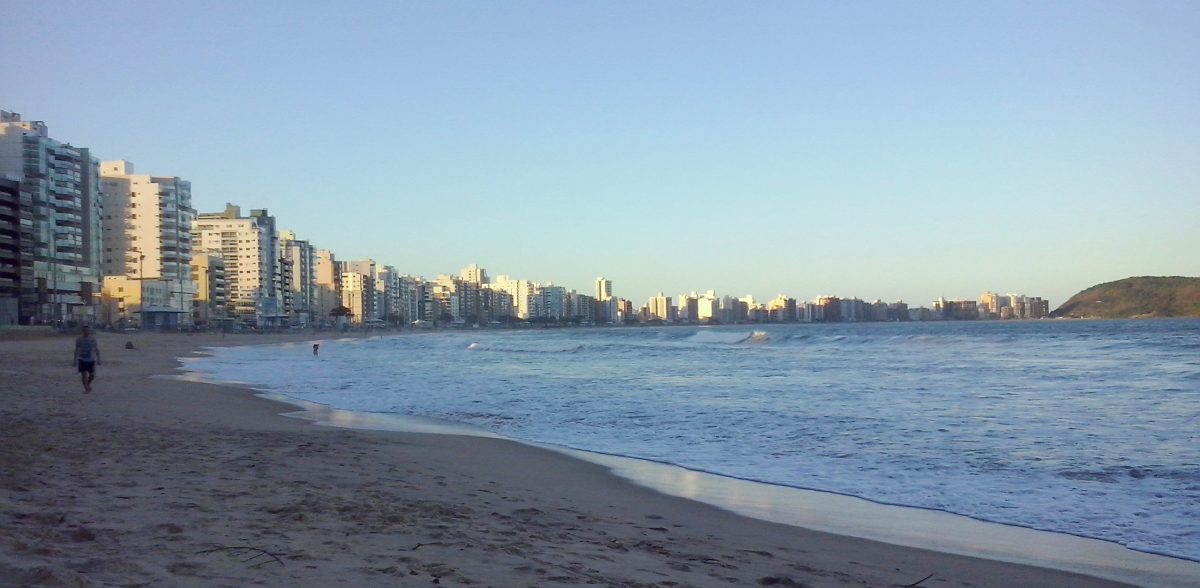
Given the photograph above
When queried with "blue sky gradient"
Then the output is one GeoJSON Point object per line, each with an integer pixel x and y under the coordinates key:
{"type": "Point", "coordinates": [880, 150]}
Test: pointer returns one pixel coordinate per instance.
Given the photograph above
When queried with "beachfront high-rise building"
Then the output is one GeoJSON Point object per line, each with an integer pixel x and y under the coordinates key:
{"type": "Point", "coordinates": [414, 304]}
{"type": "Point", "coordinates": [358, 295]}
{"type": "Point", "coordinates": [147, 235]}
{"type": "Point", "coordinates": [10, 248]}
{"type": "Point", "coordinates": [327, 281]}
{"type": "Point", "coordinates": [687, 308]}
{"type": "Point", "coordinates": [446, 292]}
{"type": "Point", "coordinates": [603, 289]}
{"type": "Point", "coordinates": [553, 303]}
{"type": "Point", "coordinates": [60, 210]}
{"type": "Point", "coordinates": [372, 299]}
{"type": "Point", "coordinates": [212, 290]}
{"type": "Point", "coordinates": [474, 274]}
{"type": "Point", "coordinates": [659, 307]}
{"type": "Point", "coordinates": [608, 311]}
{"type": "Point", "coordinates": [605, 304]}
{"type": "Point", "coordinates": [299, 256]}
{"type": "Point", "coordinates": [497, 305]}
{"type": "Point", "coordinates": [583, 307]}
{"type": "Point", "coordinates": [249, 246]}
{"type": "Point", "coordinates": [990, 304]}
{"type": "Point", "coordinates": [523, 292]}
{"type": "Point", "coordinates": [1020, 306]}
{"type": "Point", "coordinates": [387, 289]}
{"type": "Point", "coordinates": [708, 307]}
{"type": "Point", "coordinates": [272, 303]}
{"type": "Point", "coordinates": [782, 309]}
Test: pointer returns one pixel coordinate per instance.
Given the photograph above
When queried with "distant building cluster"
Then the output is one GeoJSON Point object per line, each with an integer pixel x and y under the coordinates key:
{"type": "Point", "coordinates": [708, 308]}
{"type": "Point", "coordinates": [88, 241]}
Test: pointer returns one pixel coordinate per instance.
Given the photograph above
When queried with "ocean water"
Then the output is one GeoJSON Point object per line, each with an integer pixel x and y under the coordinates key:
{"type": "Point", "coordinates": [1084, 427]}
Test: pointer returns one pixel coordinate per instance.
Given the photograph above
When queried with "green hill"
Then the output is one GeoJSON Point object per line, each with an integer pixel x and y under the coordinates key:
{"type": "Point", "coordinates": [1143, 297]}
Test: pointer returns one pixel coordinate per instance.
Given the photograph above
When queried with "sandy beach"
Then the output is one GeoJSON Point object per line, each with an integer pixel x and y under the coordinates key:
{"type": "Point", "coordinates": [152, 481]}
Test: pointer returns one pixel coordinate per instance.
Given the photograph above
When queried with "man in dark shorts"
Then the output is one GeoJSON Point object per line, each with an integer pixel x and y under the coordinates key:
{"type": "Point", "coordinates": [87, 357]}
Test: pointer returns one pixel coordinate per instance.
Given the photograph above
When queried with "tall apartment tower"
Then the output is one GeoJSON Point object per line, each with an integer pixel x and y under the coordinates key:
{"type": "Point", "coordinates": [273, 289]}
{"type": "Point", "coordinates": [249, 248]}
{"type": "Point", "coordinates": [603, 289]}
{"type": "Point", "coordinates": [212, 291]}
{"type": "Point", "coordinates": [370, 298]}
{"type": "Point", "coordinates": [59, 210]}
{"type": "Point", "coordinates": [147, 230]}
{"type": "Point", "coordinates": [660, 307]}
{"type": "Point", "coordinates": [474, 274]}
{"type": "Point", "coordinates": [410, 298]}
{"type": "Point", "coordinates": [327, 285]}
{"type": "Point", "coordinates": [524, 295]}
{"type": "Point", "coordinates": [387, 288]}
{"type": "Point", "coordinates": [10, 248]}
{"type": "Point", "coordinates": [300, 257]}
{"type": "Point", "coordinates": [358, 295]}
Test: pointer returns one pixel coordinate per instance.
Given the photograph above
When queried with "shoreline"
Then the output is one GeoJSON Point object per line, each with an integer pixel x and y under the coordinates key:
{"type": "Point", "coordinates": [167, 481]}
{"type": "Point", "coordinates": [828, 512]}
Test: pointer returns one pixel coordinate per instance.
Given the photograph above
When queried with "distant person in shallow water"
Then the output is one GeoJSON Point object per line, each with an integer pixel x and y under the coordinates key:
{"type": "Point", "coordinates": [316, 347]}
{"type": "Point", "coordinates": [87, 357]}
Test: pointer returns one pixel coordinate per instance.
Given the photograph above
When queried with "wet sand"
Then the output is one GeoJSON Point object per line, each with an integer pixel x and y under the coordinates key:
{"type": "Point", "coordinates": [153, 481]}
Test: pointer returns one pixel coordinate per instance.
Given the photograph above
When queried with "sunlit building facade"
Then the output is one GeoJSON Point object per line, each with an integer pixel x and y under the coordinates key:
{"type": "Point", "coordinates": [59, 225]}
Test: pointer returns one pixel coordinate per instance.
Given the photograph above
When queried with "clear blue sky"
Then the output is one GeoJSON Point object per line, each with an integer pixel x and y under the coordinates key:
{"type": "Point", "coordinates": [894, 150]}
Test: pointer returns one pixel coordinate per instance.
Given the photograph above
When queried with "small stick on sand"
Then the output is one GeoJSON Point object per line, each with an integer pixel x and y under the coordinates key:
{"type": "Point", "coordinates": [258, 553]}
{"type": "Point", "coordinates": [915, 584]}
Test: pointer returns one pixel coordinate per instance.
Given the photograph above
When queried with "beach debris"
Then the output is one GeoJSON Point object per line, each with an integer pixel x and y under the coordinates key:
{"type": "Point", "coordinates": [236, 550]}
{"type": "Point", "coordinates": [915, 584]}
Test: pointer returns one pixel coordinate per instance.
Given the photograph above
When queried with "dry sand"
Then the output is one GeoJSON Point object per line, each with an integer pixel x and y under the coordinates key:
{"type": "Point", "coordinates": [159, 482]}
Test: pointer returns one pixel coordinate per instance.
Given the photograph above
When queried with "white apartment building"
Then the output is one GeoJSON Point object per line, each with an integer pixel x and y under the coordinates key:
{"type": "Point", "coordinates": [474, 274]}
{"type": "Point", "coordinates": [248, 246]}
{"type": "Point", "coordinates": [275, 296]}
{"type": "Point", "coordinates": [60, 229]}
{"type": "Point", "coordinates": [660, 307]}
{"type": "Point", "coordinates": [413, 302]}
{"type": "Point", "coordinates": [525, 295]}
{"type": "Point", "coordinates": [387, 292]}
{"type": "Point", "coordinates": [358, 294]}
{"type": "Point", "coordinates": [604, 289]}
{"type": "Point", "coordinates": [327, 285]}
{"type": "Point", "coordinates": [147, 222]}
{"type": "Point", "coordinates": [708, 307]}
{"type": "Point", "coordinates": [583, 307]}
{"type": "Point", "coordinates": [446, 292]}
{"type": "Point", "coordinates": [555, 304]}
{"type": "Point", "coordinates": [373, 302]}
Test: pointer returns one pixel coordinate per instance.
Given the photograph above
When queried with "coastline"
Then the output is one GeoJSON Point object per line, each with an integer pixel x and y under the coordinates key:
{"type": "Point", "coordinates": [167, 481]}
{"type": "Point", "coordinates": [830, 512]}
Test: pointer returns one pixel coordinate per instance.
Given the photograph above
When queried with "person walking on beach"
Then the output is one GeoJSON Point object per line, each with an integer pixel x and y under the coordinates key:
{"type": "Point", "coordinates": [87, 357]}
{"type": "Point", "coordinates": [316, 347]}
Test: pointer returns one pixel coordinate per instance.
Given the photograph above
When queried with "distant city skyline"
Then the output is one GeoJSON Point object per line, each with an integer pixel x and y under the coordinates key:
{"type": "Point", "coordinates": [854, 150]}
{"type": "Point", "coordinates": [92, 227]}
